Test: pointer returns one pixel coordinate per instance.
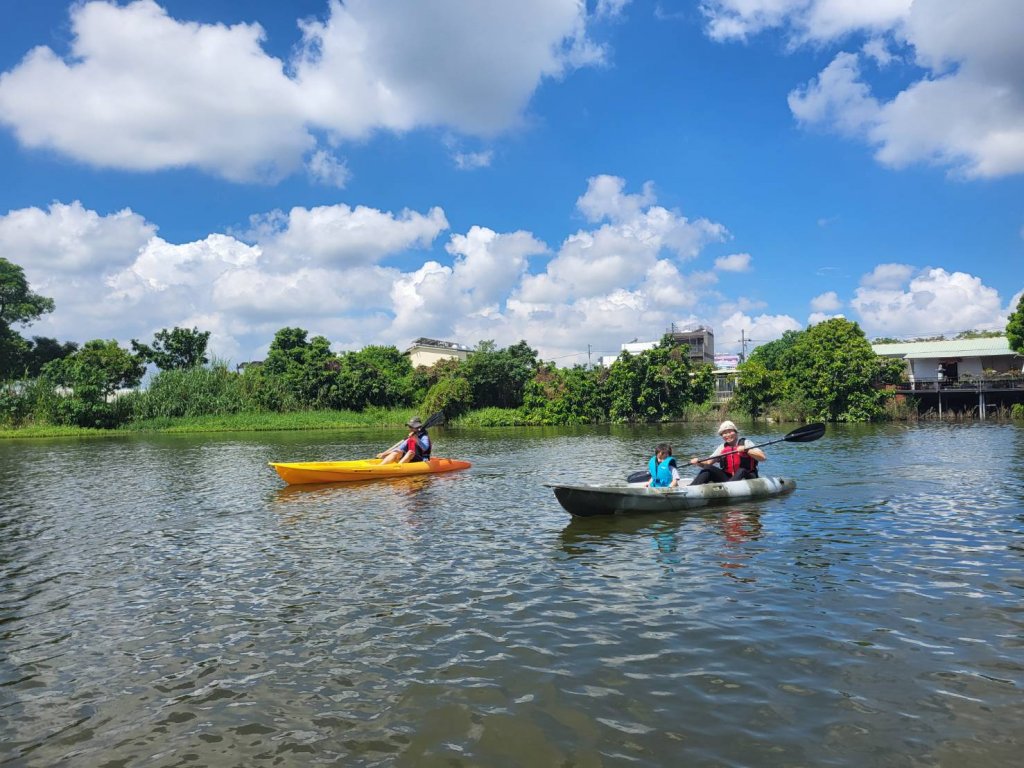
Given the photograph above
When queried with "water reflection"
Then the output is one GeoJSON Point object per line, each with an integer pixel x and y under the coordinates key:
{"type": "Point", "coordinates": [583, 537]}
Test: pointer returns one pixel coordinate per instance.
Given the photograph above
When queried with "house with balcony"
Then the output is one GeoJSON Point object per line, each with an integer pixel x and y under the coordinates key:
{"type": "Point", "coordinates": [961, 375]}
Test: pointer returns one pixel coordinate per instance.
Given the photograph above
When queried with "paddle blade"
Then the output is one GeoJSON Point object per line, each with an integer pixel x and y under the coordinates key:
{"type": "Point", "coordinates": [805, 434]}
{"type": "Point", "coordinates": [433, 421]}
{"type": "Point", "coordinates": [639, 477]}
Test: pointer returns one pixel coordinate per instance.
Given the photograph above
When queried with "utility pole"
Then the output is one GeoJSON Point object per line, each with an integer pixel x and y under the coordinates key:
{"type": "Point", "coordinates": [589, 365]}
{"type": "Point", "coordinates": [744, 341]}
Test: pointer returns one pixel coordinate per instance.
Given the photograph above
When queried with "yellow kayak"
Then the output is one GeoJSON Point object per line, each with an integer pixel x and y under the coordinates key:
{"type": "Point", "coordinates": [295, 473]}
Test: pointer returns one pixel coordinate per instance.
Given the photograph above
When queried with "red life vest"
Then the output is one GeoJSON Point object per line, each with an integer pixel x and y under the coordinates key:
{"type": "Point", "coordinates": [731, 459]}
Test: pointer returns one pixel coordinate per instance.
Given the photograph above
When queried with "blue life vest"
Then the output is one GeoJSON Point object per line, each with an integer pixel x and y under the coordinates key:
{"type": "Point", "coordinates": [661, 474]}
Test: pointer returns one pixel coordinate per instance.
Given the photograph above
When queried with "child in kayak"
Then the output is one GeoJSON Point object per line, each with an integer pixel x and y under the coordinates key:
{"type": "Point", "coordinates": [416, 447]}
{"type": "Point", "coordinates": [663, 469]}
{"type": "Point", "coordinates": [732, 460]}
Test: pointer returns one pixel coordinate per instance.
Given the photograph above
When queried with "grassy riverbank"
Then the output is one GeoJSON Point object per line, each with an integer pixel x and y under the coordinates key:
{"type": "Point", "coordinates": [310, 420]}
{"type": "Point", "coordinates": [238, 422]}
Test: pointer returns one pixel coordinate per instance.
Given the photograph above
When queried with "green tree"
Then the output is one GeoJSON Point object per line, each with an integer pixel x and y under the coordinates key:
{"type": "Point", "coordinates": [976, 334]}
{"type": "Point", "coordinates": [827, 372]}
{"type": "Point", "coordinates": [18, 306]}
{"type": "Point", "coordinates": [833, 366]}
{"type": "Point", "coordinates": [654, 385]}
{"type": "Point", "coordinates": [763, 380]}
{"type": "Point", "coordinates": [757, 388]}
{"type": "Point", "coordinates": [1015, 327]}
{"type": "Point", "coordinates": [375, 376]}
{"type": "Point", "coordinates": [91, 377]}
{"type": "Point", "coordinates": [452, 394]}
{"type": "Point", "coordinates": [308, 369]}
{"type": "Point", "coordinates": [43, 350]}
{"type": "Point", "coordinates": [564, 395]}
{"type": "Point", "coordinates": [175, 349]}
{"type": "Point", "coordinates": [13, 353]}
{"type": "Point", "coordinates": [498, 377]}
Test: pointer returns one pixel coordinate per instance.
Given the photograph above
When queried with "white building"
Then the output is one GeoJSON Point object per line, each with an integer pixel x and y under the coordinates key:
{"type": "Point", "coordinates": [426, 352]}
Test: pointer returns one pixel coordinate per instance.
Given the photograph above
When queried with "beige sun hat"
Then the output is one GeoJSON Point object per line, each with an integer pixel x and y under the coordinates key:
{"type": "Point", "coordinates": [726, 425]}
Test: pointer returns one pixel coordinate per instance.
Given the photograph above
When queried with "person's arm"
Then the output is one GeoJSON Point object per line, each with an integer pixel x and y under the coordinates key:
{"type": "Point", "coordinates": [393, 448]}
{"type": "Point", "coordinates": [756, 453]}
{"type": "Point", "coordinates": [707, 462]}
{"type": "Point", "coordinates": [675, 476]}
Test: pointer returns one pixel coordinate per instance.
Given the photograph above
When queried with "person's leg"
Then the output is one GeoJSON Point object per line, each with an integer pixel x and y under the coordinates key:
{"type": "Point", "coordinates": [702, 477]}
{"type": "Point", "coordinates": [390, 457]}
{"type": "Point", "coordinates": [741, 474]}
{"type": "Point", "coordinates": [712, 474]}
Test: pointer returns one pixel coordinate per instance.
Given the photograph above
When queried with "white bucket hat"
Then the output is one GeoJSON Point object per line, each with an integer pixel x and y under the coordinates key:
{"type": "Point", "coordinates": [726, 425]}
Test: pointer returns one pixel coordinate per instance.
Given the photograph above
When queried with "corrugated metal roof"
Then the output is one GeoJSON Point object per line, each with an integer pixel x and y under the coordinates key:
{"type": "Point", "coordinates": [996, 345]}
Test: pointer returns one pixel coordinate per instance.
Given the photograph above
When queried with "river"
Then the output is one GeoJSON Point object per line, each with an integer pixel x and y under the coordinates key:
{"type": "Point", "coordinates": [167, 601]}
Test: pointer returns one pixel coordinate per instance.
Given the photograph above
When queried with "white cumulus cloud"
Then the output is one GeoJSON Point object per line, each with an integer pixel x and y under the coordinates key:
{"type": "Point", "coordinates": [141, 90]}
{"type": "Point", "coordinates": [826, 302]}
{"type": "Point", "coordinates": [734, 262]}
{"type": "Point", "coordinates": [931, 302]}
{"type": "Point", "coordinates": [962, 108]}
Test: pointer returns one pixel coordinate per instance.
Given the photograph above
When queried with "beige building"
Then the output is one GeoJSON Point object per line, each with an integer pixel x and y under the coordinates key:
{"type": "Point", "coordinates": [426, 352]}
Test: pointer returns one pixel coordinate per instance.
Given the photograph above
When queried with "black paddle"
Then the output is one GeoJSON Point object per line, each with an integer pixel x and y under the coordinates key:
{"type": "Point", "coordinates": [438, 418]}
{"type": "Point", "coordinates": [805, 434]}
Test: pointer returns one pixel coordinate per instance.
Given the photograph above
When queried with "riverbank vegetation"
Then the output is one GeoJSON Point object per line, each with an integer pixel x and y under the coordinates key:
{"type": "Point", "coordinates": [827, 372]}
{"type": "Point", "coordinates": [302, 384]}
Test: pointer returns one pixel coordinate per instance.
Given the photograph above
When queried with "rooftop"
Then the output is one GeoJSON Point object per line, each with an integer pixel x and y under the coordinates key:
{"type": "Point", "coordinates": [424, 342]}
{"type": "Point", "coordinates": [986, 347]}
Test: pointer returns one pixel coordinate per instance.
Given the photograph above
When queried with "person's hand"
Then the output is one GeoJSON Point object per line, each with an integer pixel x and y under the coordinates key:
{"type": "Point", "coordinates": [694, 460]}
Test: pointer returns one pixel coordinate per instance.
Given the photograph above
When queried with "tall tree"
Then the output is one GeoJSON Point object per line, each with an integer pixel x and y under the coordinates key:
{"type": "Point", "coordinates": [44, 350]}
{"type": "Point", "coordinates": [309, 369]}
{"type": "Point", "coordinates": [18, 306]}
{"type": "Point", "coordinates": [1015, 327]}
{"type": "Point", "coordinates": [174, 349]}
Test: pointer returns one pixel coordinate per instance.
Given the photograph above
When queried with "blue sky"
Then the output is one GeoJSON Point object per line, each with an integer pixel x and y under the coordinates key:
{"type": "Point", "coordinates": [575, 175]}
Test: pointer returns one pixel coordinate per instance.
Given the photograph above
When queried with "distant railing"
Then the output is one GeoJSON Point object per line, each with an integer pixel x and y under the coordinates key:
{"type": "Point", "coordinates": [964, 384]}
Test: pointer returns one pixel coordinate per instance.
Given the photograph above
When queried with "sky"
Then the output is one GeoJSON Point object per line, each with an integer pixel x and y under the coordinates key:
{"type": "Point", "coordinates": [575, 175]}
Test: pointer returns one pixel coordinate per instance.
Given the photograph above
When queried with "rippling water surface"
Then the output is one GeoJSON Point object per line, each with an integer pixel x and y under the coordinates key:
{"type": "Point", "coordinates": [169, 602]}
